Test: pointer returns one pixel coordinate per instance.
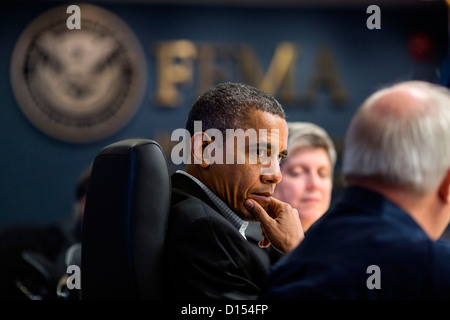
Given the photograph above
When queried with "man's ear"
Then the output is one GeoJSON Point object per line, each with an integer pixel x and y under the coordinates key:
{"type": "Point", "coordinates": [198, 144]}
{"type": "Point", "coordinates": [444, 188]}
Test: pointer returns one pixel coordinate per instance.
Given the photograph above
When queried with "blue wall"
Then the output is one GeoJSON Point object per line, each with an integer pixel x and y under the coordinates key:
{"type": "Point", "coordinates": [38, 173]}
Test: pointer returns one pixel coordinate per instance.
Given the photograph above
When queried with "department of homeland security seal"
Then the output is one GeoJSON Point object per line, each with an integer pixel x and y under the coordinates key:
{"type": "Point", "coordinates": [78, 85]}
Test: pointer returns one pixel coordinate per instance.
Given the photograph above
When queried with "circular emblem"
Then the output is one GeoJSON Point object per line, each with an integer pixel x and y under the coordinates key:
{"type": "Point", "coordinates": [78, 85]}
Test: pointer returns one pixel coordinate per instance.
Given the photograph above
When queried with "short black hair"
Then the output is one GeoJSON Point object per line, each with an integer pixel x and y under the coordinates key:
{"type": "Point", "coordinates": [226, 105]}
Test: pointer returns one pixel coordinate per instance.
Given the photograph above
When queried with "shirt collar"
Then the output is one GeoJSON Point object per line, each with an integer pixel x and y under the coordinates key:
{"type": "Point", "coordinates": [229, 214]}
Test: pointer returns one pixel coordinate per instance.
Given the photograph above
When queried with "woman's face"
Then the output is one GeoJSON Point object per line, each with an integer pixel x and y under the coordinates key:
{"type": "Point", "coordinates": [307, 183]}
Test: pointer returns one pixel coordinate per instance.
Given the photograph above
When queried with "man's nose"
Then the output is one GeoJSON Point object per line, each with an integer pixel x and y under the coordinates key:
{"type": "Point", "coordinates": [271, 174]}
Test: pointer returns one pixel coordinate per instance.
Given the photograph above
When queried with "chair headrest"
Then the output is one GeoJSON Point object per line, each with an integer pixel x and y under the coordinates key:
{"type": "Point", "coordinates": [125, 222]}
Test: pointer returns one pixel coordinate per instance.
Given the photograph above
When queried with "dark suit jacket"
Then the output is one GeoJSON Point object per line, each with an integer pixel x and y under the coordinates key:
{"type": "Point", "coordinates": [362, 229]}
{"type": "Point", "coordinates": [207, 257]}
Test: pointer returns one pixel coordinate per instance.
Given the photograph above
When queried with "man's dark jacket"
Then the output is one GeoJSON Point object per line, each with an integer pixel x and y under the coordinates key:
{"type": "Point", "coordinates": [207, 256]}
{"type": "Point", "coordinates": [365, 241]}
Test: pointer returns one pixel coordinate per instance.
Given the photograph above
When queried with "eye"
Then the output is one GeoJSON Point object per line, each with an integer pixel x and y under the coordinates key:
{"type": "Point", "coordinates": [264, 153]}
{"type": "Point", "coordinates": [296, 172]}
{"type": "Point", "coordinates": [261, 152]}
{"type": "Point", "coordinates": [324, 173]}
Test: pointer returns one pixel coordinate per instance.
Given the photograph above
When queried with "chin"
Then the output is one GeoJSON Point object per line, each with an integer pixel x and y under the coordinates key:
{"type": "Point", "coordinates": [311, 215]}
{"type": "Point", "coordinates": [247, 216]}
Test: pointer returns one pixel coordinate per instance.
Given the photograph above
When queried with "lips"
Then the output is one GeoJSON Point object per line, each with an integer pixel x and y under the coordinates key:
{"type": "Point", "coordinates": [310, 200]}
{"type": "Point", "coordinates": [263, 198]}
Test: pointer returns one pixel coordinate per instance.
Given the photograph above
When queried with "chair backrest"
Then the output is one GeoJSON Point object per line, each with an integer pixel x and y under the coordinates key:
{"type": "Point", "coordinates": [125, 221]}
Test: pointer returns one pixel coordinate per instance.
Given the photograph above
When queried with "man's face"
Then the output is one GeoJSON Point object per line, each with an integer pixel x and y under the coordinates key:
{"type": "Point", "coordinates": [234, 182]}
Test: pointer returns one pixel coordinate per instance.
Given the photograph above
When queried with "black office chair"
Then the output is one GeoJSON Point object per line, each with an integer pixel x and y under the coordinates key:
{"type": "Point", "coordinates": [124, 223]}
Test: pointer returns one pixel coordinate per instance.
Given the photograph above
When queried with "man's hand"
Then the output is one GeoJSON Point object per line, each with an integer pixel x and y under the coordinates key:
{"type": "Point", "coordinates": [280, 224]}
